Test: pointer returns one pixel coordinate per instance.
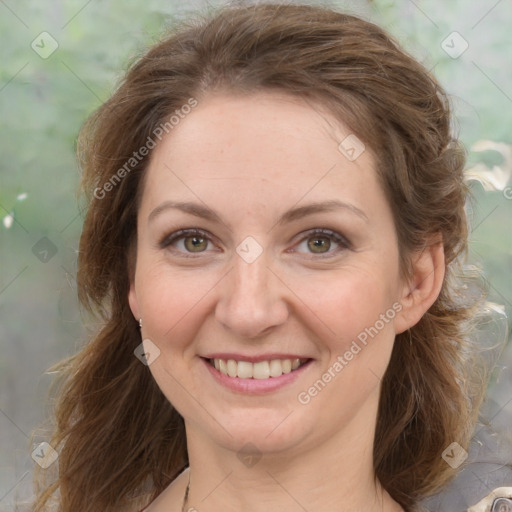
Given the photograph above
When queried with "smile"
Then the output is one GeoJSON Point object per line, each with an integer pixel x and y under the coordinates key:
{"type": "Point", "coordinates": [260, 370]}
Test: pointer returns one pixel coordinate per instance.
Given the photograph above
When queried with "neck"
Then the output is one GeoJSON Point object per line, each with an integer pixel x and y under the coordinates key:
{"type": "Point", "coordinates": [334, 475]}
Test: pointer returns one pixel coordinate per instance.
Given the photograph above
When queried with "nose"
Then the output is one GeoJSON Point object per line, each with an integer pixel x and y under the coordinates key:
{"type": "Point", "coordinates": [252, 299]}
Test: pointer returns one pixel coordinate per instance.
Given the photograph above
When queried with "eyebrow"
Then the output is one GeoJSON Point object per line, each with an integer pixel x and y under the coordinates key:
{"type": "Point", "coordinates": [291, 215]}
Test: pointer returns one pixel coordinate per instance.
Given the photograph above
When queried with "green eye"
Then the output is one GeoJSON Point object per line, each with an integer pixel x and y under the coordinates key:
{"type": "Point", "coordinates": [318, 241]}
{"type": "Point", "coordinates": [187, 241]}
{"type": "Point", "coordinates": [319, 244]}
{"type": "Point", "coordinates": [322, 242]}
{"type": "Point", "coordinates": [195, 243]}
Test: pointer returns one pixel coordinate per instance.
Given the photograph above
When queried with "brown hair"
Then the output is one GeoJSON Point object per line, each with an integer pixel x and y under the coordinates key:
{"type": "Point", "coordinates": [117, 435]}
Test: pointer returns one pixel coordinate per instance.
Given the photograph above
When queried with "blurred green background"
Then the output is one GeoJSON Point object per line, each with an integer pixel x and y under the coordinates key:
{"type": "Point", "coordinates": [61, 59]}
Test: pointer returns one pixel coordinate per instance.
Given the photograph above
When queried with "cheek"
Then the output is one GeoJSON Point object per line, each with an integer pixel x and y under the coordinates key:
{"type": "Point", "coordinates": [356, 351]}
{"type": "Point", "coordinates": [351, 301]}
{"type": "Point", "coordinates": [357, 307]}
{"type": "Point", "coordinates": [173, 308]}
{"type": "Point", "coordinates": [170, 301]}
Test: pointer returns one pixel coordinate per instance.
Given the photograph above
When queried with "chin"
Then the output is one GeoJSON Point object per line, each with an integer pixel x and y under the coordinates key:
{"type": "Point", "coordinates": [268, 431]}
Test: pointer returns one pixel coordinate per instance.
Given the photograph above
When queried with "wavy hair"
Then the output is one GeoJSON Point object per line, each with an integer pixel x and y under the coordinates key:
{"type": "Point", "coordinates": [120, 441]}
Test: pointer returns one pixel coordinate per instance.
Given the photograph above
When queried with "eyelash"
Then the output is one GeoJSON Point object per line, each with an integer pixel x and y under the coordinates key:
{"type": "Point", "coordinates": [185, 233]}
{"type": "Point", "coordinates": [342, 242]}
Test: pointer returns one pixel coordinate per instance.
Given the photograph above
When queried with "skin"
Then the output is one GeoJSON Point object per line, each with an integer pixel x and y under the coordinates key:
{"type": "Point", "coordinates": [251, 159]}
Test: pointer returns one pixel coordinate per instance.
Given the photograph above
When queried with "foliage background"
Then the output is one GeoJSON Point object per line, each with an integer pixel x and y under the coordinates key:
{"type": "Point", "coordinates": [44, 101]}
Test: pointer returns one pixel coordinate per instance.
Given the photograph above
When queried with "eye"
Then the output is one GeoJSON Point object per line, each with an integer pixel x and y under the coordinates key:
{"type": "Point", "coordinates": [194, 241]}
{"type": "Point", "coordinates": [321, 241]}
{"type": "Point", "coordinates": [187, 241]}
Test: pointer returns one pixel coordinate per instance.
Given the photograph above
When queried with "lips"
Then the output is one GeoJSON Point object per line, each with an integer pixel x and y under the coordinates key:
{"type": "Point", "coordinates": [255, 375]}
{"type": "Point", "coordinates": [260, 370]}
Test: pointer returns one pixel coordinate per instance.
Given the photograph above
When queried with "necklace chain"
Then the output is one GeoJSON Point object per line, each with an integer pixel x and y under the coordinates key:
{"type": "Point", "coordinates": [185, 498]}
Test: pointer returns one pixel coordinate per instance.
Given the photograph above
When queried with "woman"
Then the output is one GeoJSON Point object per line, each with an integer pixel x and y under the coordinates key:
{"type": "Point", "coordinates": [274, 231]}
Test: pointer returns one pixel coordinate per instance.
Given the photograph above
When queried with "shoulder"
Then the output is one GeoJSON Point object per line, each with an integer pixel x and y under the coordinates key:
{"type": "Point", "coordinates": [499, 500]}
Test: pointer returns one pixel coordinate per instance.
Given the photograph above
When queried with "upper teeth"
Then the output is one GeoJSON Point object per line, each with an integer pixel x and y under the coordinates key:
{"type": "Point", "coordinates": [260, 370]}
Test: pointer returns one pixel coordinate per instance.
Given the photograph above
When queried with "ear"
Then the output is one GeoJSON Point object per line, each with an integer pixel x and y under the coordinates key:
{"type": "Point", "coordinates": [132, 300]}
{"type": "Point", "coordinates": [421, 291]}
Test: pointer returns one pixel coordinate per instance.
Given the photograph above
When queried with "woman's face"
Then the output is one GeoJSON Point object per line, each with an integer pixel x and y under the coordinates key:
{"type": "Point", "coordinates": [291, 259]}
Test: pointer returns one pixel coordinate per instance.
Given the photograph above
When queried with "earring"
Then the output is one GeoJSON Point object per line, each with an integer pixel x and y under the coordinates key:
{"type": "Point", "coordinates": [140, 322]}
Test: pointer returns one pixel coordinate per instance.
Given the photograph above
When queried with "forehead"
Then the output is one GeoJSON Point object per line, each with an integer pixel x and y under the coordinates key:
{"type": "Point", "coordinates": [269, 148]}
